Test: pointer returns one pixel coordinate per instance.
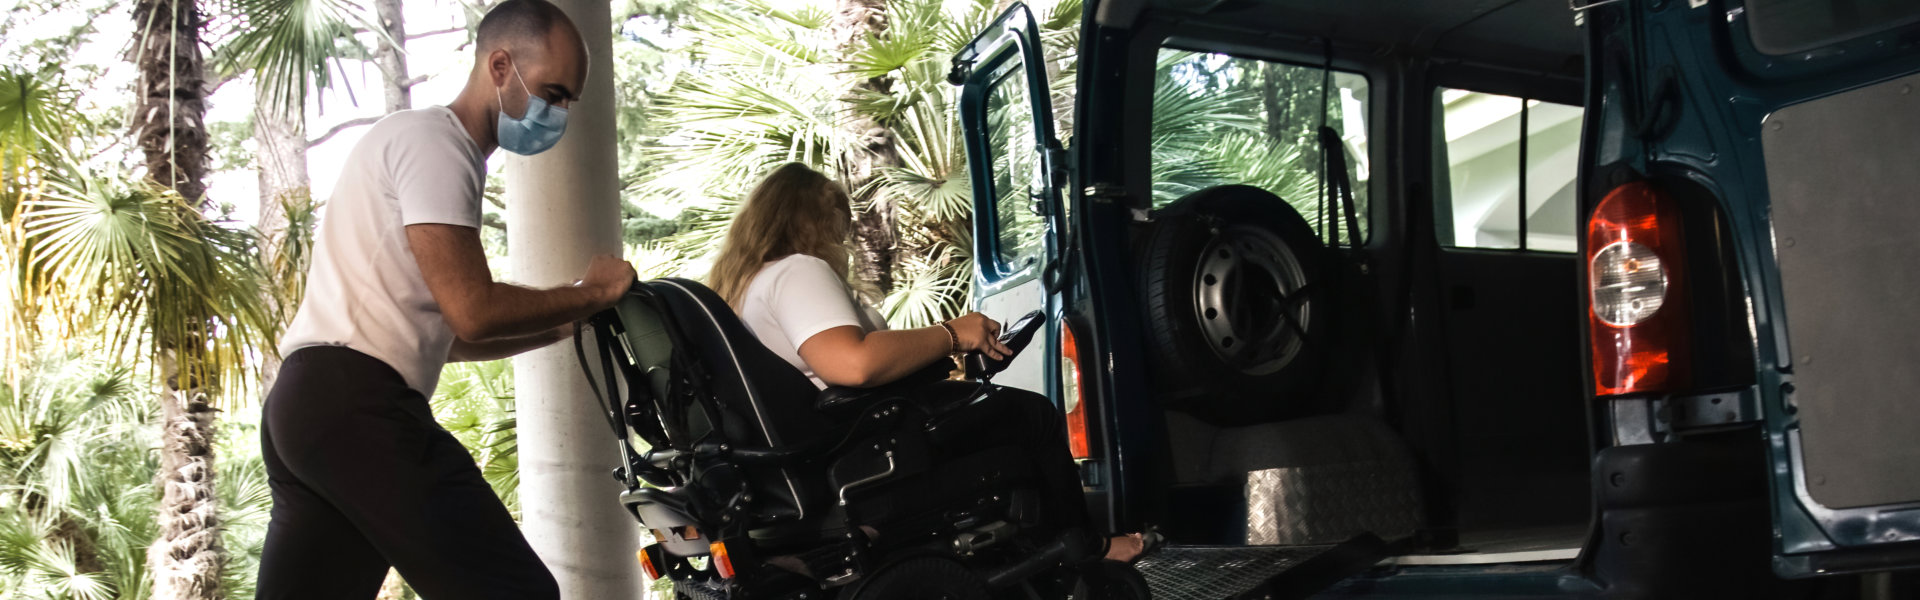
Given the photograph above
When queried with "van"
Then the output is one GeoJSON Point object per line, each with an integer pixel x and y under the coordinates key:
{"type": "Point", "coordinates": [1604, 299]}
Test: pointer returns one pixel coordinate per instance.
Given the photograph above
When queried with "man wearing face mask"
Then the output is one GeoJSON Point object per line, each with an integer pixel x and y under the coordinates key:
{"type": "Point", "coordinates": [362, 476]}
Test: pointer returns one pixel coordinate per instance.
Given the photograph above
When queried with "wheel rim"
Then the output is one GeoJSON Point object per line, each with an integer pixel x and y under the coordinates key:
{"type": "Point", "coordinates": [1251, 299]}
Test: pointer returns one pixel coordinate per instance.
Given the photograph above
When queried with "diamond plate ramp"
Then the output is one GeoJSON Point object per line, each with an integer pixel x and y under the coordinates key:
{"type": "Point", "coordinates": [1229, 572]}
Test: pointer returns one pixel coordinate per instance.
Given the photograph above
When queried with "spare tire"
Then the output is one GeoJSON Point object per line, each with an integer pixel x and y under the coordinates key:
{"type": "Point", "coordinates": [1235, 310]}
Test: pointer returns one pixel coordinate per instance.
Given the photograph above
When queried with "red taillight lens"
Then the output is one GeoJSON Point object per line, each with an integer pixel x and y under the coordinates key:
{"type": "Point", "coordinates": [721, 561]}
{"type": "Point", "coordinates": [1637, 291]}
{"type": "Point", "coordinates": [1076, 406]}
{"type": "Point", "coordinates": [647, 564]}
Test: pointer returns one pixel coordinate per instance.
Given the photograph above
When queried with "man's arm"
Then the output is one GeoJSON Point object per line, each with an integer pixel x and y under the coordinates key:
{"type": "Point", "coordinates": [495, 349]}
{"type": "Point", "coordinates": [481, 309]}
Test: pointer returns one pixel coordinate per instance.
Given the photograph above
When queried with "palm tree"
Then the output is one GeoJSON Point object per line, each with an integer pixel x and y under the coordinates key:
{"type": "Point", "coordinates": [771, 86]}
{"type": "Point", "coordinates": [169, 123]}
{"type": "Point", "coordinates": [158, 278]}
{"type": "Point", "coordinates": [33, 117]}
{"type": "Point", "coordinates": [866, 146]}
{"type": "Point", "coordinates": [290, 47]}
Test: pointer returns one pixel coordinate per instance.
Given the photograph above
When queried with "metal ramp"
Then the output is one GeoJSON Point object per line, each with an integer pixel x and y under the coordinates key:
{"type": "Point", "coordinates": [1236, 572]}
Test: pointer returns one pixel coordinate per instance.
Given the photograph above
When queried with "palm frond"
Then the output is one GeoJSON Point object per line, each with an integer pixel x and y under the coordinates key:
{"type": "Point", "coordinates": [140, 264]}
{"type": "Point", "coordinates": [292, 46]}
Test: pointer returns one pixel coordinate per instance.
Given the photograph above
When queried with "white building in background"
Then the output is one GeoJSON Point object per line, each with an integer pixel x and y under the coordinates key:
{"type": "Point", "coordinates": [1483, 143]}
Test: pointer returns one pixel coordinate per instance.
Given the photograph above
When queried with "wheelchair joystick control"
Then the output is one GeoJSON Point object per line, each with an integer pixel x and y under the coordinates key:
{"type": "Point", "coordinates": [1015, 337]}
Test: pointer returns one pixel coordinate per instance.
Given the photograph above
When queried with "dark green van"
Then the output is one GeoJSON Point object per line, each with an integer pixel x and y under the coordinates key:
{"type": "Point", "coordinates": [1471, 297]}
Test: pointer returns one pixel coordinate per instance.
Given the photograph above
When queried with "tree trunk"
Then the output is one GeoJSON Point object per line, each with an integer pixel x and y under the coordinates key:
{"type": "Point", "coordinates": [170, 126]}
{"type": "Point", "coordinates": [187, 558]}
{"type": "Point", "coordinates": [867, 147]}
{"type": "Point", "coordinates": [392, 55]}
{"type": "Point", "coordinates": [280, 132]}
{"type": "Point", "coordinates": [169, 119]}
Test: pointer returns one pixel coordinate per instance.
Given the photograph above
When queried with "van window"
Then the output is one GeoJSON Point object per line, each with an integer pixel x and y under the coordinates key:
{"type": "Point", "coordinates": [1220, 119]}
{"type": "Point", "coordinates": [1016, 160]}
{"type": "Point", "coordinates": [1491, 168]}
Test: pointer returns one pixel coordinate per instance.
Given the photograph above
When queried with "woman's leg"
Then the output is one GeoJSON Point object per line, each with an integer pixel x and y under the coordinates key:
{"type": "Point", "coordinates": [1013, 417]}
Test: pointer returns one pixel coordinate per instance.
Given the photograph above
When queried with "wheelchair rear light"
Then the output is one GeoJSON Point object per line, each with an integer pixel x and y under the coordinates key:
{"type": "Point", "coordinates": [721, 561]}
{"type": "Point", "coordinates": [1076, 405]}
{"type": "Point", "coordinates": [647, 564]}
{"type": "Point", "coordinates": [1637, 291]}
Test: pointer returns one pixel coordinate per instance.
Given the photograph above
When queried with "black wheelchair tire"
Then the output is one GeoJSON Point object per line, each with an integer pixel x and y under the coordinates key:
{"type": "Point", "coordinates": [1112, 580]}
{"type": "Point", "coordinates": [922, 578]}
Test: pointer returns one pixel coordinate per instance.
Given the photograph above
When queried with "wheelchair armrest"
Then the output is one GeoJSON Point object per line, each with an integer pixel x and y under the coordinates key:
{"type": "Point", "coordinates": [839, 401]}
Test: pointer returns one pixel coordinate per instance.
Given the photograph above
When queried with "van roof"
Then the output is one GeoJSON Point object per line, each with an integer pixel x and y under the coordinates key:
{"type": "Point", "coordinates": [1528, 35]}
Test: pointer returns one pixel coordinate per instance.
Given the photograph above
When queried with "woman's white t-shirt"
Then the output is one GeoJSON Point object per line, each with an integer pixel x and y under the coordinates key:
{"type": "Point", "coordinates": [793, 298]}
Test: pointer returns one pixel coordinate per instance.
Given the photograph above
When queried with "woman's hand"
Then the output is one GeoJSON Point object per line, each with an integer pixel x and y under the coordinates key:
{"type": "Point", "coordinates": [976, 332]}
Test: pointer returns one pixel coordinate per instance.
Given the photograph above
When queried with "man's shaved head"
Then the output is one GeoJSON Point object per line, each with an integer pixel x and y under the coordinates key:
{"type": "Point", "coordinates": [521, 26]}
{"type": "Point", "coordinates": [524, 49]}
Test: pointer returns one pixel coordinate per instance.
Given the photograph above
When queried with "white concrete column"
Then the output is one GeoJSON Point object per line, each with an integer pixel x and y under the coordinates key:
{"type": "Point", "coordinates": [563, 207]}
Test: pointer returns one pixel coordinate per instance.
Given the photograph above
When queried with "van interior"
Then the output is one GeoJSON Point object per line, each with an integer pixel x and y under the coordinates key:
{"type": "Point", "coordinates": [1447, 407]}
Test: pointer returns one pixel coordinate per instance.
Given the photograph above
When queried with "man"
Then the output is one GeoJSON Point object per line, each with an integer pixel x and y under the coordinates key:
{"type": "Point", "coordinates": [362, 476]}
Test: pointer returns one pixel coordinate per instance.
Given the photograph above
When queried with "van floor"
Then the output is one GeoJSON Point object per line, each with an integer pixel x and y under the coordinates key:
{"type": "Point", "coordinates": [1524, 544]}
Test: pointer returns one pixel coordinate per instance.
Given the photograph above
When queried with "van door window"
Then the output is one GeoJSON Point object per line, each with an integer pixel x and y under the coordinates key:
{"type": "Point", "coordinates": [1016, 162]}
{"type": "Point", "coordinates": [1493, 170]}
{"type": "Point", "coordinates": [1220, 119]}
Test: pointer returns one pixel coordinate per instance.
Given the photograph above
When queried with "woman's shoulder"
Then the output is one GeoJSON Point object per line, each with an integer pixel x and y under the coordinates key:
{"type": "Point", "coordinates": [796, 263]}
{"type": "Point", "coordinates": [791, 270]}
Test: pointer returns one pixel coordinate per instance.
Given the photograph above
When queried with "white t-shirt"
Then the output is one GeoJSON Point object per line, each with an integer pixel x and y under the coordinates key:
{"type": "Point", "coordinates": [364, 290]}
{"type": "Point", "coordinates": [795, 297]}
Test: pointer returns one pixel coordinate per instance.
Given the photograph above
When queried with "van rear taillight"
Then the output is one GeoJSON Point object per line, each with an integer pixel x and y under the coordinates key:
{"type": "Point", "coordinates": [1076, 405]}
{"type": "Point", "coordinates": [1637, 291]}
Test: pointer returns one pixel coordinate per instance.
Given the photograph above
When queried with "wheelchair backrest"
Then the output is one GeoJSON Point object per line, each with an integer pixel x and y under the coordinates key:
{"type": "Point", "coordinates": [697, 358]}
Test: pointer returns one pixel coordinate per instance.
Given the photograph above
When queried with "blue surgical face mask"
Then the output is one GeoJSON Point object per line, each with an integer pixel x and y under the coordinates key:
{"type": "Point", "coordinates": [535, 131]}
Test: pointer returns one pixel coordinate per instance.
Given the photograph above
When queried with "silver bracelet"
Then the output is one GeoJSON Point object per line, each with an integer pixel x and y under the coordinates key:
{"type": "Point", "coordinates": [953, 338]}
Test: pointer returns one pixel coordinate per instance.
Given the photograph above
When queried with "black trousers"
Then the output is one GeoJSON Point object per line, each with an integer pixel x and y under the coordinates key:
{"type": "Point", "coordinates": [363, 479]}
{"type": "Point", "coordinates": [1013, 417]}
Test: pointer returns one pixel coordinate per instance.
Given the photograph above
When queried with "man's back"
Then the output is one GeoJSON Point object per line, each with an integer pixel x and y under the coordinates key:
{"type": "Point", "coordinates": [364, 289]}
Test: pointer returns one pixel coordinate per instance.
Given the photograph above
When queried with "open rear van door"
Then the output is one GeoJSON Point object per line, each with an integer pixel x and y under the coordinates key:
{"type": "Point", "coordinates": [1798, 123]}
{"type": "Point", "coordinates": [1017, 171]}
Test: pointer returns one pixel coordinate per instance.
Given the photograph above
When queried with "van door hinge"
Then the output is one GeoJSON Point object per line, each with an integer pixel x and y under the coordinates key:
{"type": "Point", "coordinates": [1056, 165]}
{"type": "Point", "coordinates": [1105, 193]}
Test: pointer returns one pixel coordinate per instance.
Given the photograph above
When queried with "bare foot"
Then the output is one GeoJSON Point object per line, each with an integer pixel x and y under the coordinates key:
{"type": "Point", "coordinates": [1125, 548]}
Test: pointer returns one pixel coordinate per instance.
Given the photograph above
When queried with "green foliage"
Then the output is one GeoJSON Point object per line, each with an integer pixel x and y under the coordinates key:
{"type": "Point", "coordinates": [289, 45]}
{"type": "Point", "coordinates": [764, 88]}
{"type": "Point", "coordinates": [246, 503]}
{"type": "Point", "coordinates": [1219, 120]}
{"type": "Point", "coordinates": [76, 471]}
{"type": "Point", "coordinates": [475, 403]}
{"type": "Point", "coordinates": [35, 121]}
{"type": "Point", "coordinates": [141, 266]}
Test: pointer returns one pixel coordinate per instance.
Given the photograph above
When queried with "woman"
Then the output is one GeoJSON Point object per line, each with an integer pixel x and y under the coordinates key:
{"type": "Point", "coordinates": [783, 267]}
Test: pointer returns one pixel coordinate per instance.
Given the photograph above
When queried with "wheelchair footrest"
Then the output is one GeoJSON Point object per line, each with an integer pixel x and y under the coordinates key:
{"type": "Point", "coordinates": [695, 590]}
{"type": "Point", "coordinates": [1224, 572]}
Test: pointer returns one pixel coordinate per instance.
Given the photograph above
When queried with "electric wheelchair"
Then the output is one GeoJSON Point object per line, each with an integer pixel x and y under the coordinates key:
{"type": "Point", "coordinates": [756, 484]}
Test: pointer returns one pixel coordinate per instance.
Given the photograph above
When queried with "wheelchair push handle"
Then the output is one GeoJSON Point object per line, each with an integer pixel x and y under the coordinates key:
{"type": "Point", "coordinates": [1015, 337]}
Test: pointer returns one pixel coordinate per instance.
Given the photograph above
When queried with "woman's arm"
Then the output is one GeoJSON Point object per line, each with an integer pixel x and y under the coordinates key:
{"type": "Point", "coordinates": [847, 356]}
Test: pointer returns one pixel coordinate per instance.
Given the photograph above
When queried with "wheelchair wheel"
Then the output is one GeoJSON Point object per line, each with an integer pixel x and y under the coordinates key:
{"type": "Point", "coordinates": [925, 578]}
{"type": "Point", "coordinates": [1112, 580]}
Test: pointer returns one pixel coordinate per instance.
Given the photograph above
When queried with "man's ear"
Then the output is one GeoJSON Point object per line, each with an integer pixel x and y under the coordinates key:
{"type": "Point", "coordinates": [499, 67]}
